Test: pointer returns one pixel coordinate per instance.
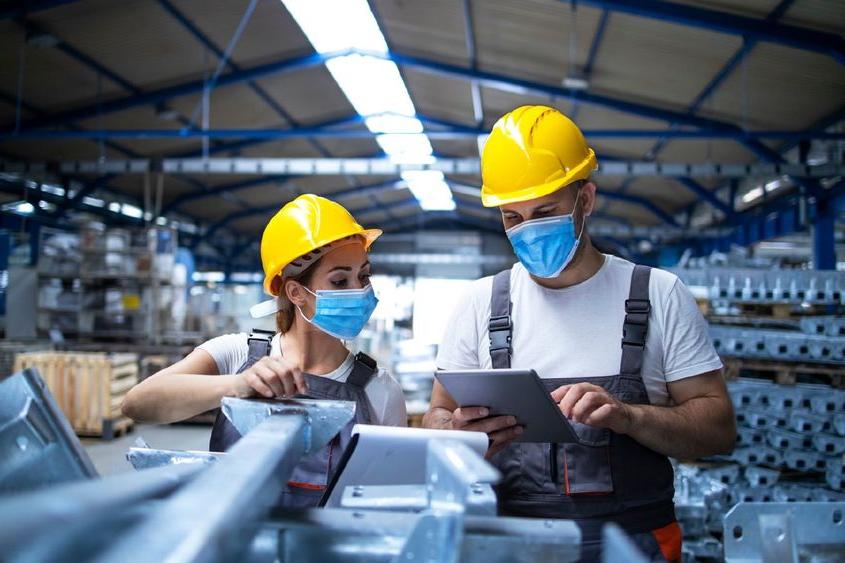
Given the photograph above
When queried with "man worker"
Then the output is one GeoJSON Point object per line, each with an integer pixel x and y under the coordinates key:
{"type": "Point", "coordinates": [622, 349]}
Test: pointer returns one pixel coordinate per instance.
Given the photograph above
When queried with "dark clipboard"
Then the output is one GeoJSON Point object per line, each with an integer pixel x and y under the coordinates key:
{"type": "Point", "coordinates": [515, 392]}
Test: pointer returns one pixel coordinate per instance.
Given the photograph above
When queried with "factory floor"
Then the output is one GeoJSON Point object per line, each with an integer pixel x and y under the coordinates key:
{"type": "Point", "coordinates": [110, 457]}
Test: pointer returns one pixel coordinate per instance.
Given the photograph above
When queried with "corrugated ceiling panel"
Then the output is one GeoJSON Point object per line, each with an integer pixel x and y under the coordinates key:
{"type": "Point", "coordinates": [659, 62]}
{"type": "Point", "coordinates": [309, 95]}
{"type": "Point", "coordinates": [749, 8]}
{"type": "Point", "coordinates": [686, 150]}
{"type": "Point", "coordinates": [665, 193]}
{"type": "Point", "coordinates": [824, 15]}
{"type": "Point", "coordinates": [440, 97]}
{"type": "Point", "coordinates": [211, 209]}
{"type": "Point", "coordinates": [52, 80]}
{"type": "Point", "coordinates": [434, 28]}
{"type": "Point", "coordinates": [218, 19]}
{"type": "Point", "coordinates": [531, 38]}
{"type": "Point", "coordinates": [135, 38]}
{"type": "Point", "coordinates": [786, 89]}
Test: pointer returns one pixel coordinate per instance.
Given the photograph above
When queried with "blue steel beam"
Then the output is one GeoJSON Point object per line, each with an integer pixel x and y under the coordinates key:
{"type": "Point", "coordinates": [163, 94]}
{"type": "Point", "coordinates": [15, 9]}
{"type": "Point", "coordinates": [708, 196]}
{"type": "Point", "coordinates": [484, 78]}
{"type": "Point", "coordinates": [723, 22]}
{"type": "Point", "coordinates": [457, 131]}
{"type": "Point", "coordinates": [724, 72]}
{"type": "Point", "coordinates": [598, 36]}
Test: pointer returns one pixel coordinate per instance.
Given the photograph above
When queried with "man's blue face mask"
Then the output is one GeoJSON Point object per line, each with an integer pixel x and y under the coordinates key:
{"type": "Point", "coordinates": [546, 246]}
{"type": "Point", "coordinates": [342, 313]}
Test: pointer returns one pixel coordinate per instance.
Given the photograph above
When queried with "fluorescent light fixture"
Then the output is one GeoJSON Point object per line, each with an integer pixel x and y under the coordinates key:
{"type": "Point", "coordinates": [373, 86]}
{"type": "Point", "coordinates": [336, 25]}
{"type": "Point", "coordinates": [93, 202]}
{"type": "Point", "coordinates": [53, 189]}
{"type": "Point", "coordinates": [21, 207]}
{"type": "Point", "coordinates": [114, 207]}
{"type": "Point", "coordinates": [208, 276]}
{"type": "Point", "coordinates": [752, 194]}
{"type": "Point", "coordinates": [131, 211]}
{"type": "Point", "coordinates": [575, 83]}
{"type": "Point", "coordinates": [430, 189]}
{"type": "Point", "coordinates": [392, 123]}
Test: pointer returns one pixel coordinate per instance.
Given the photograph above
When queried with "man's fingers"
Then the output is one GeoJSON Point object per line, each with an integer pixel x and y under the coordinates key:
{"type": "Point", "coordinates": [489, 425]}
{"type": "Point", "coordinates": [506, 435]}
{"type": "Point", "coordinates": [573, 395]}
{"type": "Point", "coordinates": [464, 415]}
{"type": "Point", "coordinates": [587, 404]}
{"type": "Point", "coordinates": [559, 393]}
{"type": "Point", "coordinates": [301, 384]}
{"type": "Point", "coordinates": [599, 417]}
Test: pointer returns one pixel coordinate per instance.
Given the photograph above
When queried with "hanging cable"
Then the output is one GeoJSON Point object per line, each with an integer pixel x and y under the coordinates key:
{"type": "Point", "coordinates": [21, 75]}
{"type": "Point", "coordinates": [224, 60]}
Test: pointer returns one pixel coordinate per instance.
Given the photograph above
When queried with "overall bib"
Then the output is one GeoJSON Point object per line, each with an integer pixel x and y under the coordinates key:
{"type": "Point", "coordinates": [607, 477]}
{"type": "Point", "coordinates": [312, 474]}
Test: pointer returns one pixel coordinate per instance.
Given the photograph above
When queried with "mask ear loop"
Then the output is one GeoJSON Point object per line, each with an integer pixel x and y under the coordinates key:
{"type": "Point", "coordinates": [583, 217]}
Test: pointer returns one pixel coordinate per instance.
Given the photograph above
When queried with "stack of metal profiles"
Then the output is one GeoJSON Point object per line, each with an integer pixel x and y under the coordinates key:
{"type": "Point", "coordinates": [790, 446]}
{"type": "Point", "coordinates": [770, 286]}
{"type": "Point", "coordinates": [806, 345]}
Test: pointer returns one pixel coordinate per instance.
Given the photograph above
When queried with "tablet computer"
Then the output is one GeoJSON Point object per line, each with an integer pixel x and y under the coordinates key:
{"type": "Point", "coordinates": [515, 392]}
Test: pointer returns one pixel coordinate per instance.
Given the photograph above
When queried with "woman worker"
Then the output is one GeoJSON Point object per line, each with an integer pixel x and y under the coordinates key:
{"type": "Point", "coordinates": [315, 262]}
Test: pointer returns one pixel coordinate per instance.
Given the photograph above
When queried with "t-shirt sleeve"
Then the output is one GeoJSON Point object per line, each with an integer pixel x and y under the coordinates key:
{"type": "Point", "coordinates": [459, 347]}
{"type": "Point", "coordinates": [229, 351]}
{"type": "Point", "coordinates": [688, 350]}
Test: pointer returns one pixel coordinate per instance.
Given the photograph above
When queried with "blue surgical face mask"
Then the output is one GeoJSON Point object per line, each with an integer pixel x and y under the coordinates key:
{"type": "Point", "coordinates": [546, 246]}
{"type": "Point", "coordinates": [342, 313]}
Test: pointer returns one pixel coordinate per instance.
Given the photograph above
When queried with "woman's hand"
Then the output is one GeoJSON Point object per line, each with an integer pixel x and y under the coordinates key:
{"type": "Point", "coordinates": [270, 377]}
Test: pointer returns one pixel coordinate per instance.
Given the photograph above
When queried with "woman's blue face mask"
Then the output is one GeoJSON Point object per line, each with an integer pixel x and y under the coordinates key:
{"type": "Point", "coordinates": [546, 246]}
{"type": "Point", "coordinates": [342, 313]}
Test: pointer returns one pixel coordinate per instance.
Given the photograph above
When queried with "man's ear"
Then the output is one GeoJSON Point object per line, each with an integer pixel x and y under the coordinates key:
{"type": "Point", "coordinates": [588, 198]}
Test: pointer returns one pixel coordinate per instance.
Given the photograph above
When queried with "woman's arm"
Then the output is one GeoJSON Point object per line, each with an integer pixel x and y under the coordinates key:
{"type": "Point", "coordinates": [189, 387]}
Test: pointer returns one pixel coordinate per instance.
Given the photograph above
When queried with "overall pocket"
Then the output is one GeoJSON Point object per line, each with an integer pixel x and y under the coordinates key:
{"type": "Point", "coordinates": [587, 464]}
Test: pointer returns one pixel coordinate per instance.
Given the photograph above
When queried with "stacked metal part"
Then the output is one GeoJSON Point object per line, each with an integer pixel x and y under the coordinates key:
{"type": "Point", "coordinates": [745, 285]}
{"type": "Point", "coordinates": [799, 427]}
{"type": "Point", "coordinates": [796, 429]}
{"type": "Point", "coordinates": [819, 340]}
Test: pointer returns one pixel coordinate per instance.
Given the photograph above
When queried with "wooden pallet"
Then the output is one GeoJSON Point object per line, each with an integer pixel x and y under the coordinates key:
{"type": "Point", "coordinates": [88, 387]}
{"type": "Point", "coordinates": [787, 373]}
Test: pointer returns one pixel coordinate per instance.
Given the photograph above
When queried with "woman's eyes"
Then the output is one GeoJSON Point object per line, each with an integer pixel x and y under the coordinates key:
{"type": "Point", "coordinates": [344, 282]}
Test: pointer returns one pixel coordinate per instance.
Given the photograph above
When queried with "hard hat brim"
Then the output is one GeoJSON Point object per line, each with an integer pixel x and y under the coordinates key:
{"type": "Point", "coordinates": [580, 172]}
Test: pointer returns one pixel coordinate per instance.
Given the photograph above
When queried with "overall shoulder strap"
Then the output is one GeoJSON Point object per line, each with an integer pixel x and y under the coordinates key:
{"type": "Point", "coordinates": [363, 370]}
{"type": "Point", "coordinates": [635, 328]}
{"type": "Point", "coordinates": [259, 346]}
{"type": "Point", "coordinates": [500, 324]}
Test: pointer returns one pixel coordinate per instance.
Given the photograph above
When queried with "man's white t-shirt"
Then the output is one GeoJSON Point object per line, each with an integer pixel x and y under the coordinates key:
{"type": "Point", "coordinates": [577, 331]}
{"type": "Point", "coordinates": [230, 352]}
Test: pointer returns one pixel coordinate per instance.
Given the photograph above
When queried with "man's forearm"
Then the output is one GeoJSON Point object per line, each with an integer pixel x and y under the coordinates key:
{"type": "Point", "coordinates": [438, 418]}
{"type": "Point", "coordinates": [699, 427]}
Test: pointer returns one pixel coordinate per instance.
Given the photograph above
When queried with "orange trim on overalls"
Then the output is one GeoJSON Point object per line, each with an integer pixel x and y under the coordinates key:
{"type": "Point", "coordinates": [670, 539]}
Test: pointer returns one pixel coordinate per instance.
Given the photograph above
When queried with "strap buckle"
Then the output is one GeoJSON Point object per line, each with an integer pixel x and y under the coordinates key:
{"type": "Point", "coordinates": [366, 360]}
{"type": "Point", "coordinates": [500, 329]}
{"type": "Point", "coordinates": [637, 306]}
{"type": "Point", "coordinates": [635, 329]}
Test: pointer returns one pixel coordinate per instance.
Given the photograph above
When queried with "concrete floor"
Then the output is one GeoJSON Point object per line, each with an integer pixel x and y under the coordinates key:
{"type": "Point", "coordinates": [110, 457]}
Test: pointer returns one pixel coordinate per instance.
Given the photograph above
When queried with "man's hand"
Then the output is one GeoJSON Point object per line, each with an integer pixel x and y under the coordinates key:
{"type": "Point", "coordinates": [501, 430]}
{"type": "Point", "coordinates": [593, 405]}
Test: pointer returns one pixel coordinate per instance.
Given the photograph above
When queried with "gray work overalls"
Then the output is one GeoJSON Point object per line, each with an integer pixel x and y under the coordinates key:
{"type": "Point", "coordinates": [312, 474]}
{"type": "Point", "coordinates": [605, 477]}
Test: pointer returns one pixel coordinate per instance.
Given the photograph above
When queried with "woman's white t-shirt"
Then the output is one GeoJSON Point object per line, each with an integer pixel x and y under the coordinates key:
{"type": "Point", "coordinates": [230, 352]}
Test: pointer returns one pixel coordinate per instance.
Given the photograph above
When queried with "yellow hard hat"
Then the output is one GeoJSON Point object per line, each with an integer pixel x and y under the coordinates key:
{"type": "Point", "coordinates": [531, 152]}
{"type": "Point", "coordinates": [302, 226]}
